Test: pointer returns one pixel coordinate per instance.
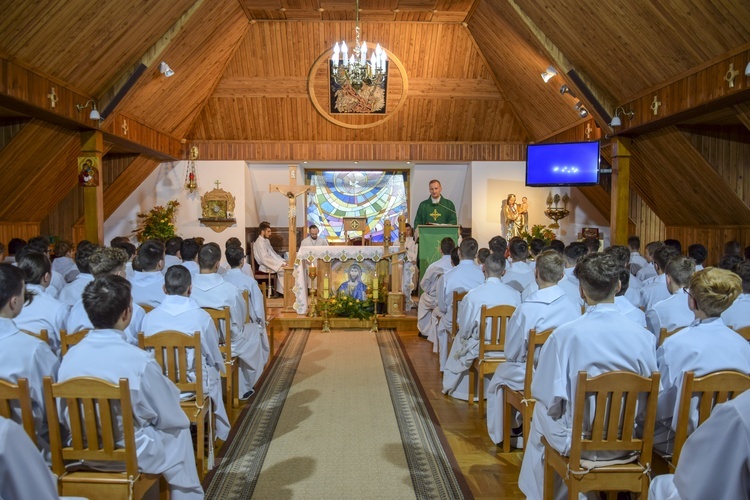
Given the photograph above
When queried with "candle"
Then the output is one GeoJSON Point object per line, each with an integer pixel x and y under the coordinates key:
{"type": "Point", "coordinates": [375, 288]}
{"type": "Point", "coordinates": [325, 286]}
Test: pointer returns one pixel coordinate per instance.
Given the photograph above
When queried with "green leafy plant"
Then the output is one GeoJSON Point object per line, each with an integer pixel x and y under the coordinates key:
{"type": "Point", "coordinates": [538, 231]}
{"type": "Point", "coordinates": [157, 223]}
{"type": "Point", "coordinates": [343, 306]}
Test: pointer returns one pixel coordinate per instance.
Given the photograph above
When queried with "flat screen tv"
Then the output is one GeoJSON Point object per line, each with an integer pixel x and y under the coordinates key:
{"type": "Point", "coordinates": [562, 164]}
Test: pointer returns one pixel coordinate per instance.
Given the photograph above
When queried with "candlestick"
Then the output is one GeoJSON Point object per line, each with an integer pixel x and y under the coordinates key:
{"type": "Point", "coordinates": [375, 288]}
{"type": "Point", "coordinates": [325, 286]}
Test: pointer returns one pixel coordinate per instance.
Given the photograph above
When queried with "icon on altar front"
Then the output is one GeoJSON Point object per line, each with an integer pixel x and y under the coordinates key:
{"type": "Point", "coordinates": [353, 278]}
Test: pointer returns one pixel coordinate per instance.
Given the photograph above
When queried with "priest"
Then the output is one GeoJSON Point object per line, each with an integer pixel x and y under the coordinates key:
{"type": "Point", "coordinates": [436, 209]}
{"type": "Point", "coordinates": [267, 258]}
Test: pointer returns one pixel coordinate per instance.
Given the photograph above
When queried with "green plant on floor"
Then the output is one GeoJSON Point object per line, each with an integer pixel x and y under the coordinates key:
{"type": "Point", "coordinates": [538, 231]}
{"type": "Point", "coordinates": [157, 223]}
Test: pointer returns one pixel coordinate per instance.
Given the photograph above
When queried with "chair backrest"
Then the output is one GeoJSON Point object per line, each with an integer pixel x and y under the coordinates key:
{"type": "Point", "coordinates": [710, 390]}
{"type": "Point", "coordinates": [68, 340]}
{"type": "Point", "coordinates": [497, 317]}
{"type": "Point", "coordinates": [664, 334]}
{"type": "Point", "coordinates": [20, 392]}
{"type": "Point", "coordinates": [535, 340]}
{"type": "Point", "coordinates": [93, 407]}
{"type": "Point", "coordinates": [42, 335]}
{"type": "Point", "coordinates": [612, 425]}
{"type": "Point", "coordinates": [171, 350]}
{"type": "Point", "coordinates": [457, 298]}
{"type": "Point", "coordinates": [146, 308]}
{"type": "Point", "coordinates": [224, 328]}
{"type": "Point", "coordinates": [745, 332]}
{"type": "Point", "coordinates": [246, 296]}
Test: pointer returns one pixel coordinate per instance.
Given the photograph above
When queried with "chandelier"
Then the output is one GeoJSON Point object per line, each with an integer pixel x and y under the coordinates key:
{"type": "Point", "coordinates": [357, 70]}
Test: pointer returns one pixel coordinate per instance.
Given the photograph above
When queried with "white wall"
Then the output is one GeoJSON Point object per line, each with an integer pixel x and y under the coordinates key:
{"type": "Point", "coordinates": [491, 182]}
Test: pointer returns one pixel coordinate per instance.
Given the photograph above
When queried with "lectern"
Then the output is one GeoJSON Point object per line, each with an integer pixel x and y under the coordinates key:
{"type": "Point", "coordinates": [430, 237]}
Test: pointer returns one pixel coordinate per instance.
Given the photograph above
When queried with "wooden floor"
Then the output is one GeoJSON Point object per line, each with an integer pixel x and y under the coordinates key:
{"type": "Point", "coordinates": [489, 472]}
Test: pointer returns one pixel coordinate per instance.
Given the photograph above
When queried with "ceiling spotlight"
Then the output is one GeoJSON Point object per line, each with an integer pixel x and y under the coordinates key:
{"type": "Point", "coordinates": [94, 115]}
{"type": "Point", "coordinates": [747, 69]}
{"type": "Point", "coordinates": [583, 112]}
{"type": "Point", "coordinates": [547, 75]}
{"type": "Point", "coordinates": [165, 69]}
{"type": "Point", "coordinates": [616, 121]}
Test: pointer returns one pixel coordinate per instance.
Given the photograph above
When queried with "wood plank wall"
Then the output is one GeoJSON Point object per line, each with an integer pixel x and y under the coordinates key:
{"type": "Point", "coordinates": [23, 230]}
{"type": "Point", "coordinates": [713, 237]}
{"type": "Point", "coordinates": [9, 128]}
{"type": "Point", "coordinates": [59, 222]}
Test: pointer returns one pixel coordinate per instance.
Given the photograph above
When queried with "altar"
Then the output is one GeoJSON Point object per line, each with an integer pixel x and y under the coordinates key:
{"type": "Point", "coordinates": [356, 271]}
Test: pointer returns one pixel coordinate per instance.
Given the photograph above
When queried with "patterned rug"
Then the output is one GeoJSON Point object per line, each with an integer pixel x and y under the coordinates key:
{"type": "Point", "coordinates": [321, 426]}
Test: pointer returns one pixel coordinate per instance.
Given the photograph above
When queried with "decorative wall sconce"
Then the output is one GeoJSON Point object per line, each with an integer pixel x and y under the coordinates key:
{"type": "Point", "coordinates": [94, 115]}
{"type": "Point", "coordinates": [747, 69]}
{"type": "Point", "coordinates": [556, 213]}
{"type": "Point", "coordinates": [616, 121]}
{"type": "Point", "coordinates": [165, 70]}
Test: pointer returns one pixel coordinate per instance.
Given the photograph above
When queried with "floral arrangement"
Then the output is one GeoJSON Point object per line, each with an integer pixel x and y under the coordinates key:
{"type": "Point", "coordinates": [538, 231]}
{"type": "Point", "coordinates": [344, 306]}
{"type": "Point", "coordinates": [157, 223]}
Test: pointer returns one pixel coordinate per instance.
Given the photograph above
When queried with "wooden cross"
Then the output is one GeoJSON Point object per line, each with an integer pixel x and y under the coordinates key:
{"type": "Point", "coordinates": [655, 105]}
{"type": "Point", "coordinates": [217, 184]}
{"type": "Point", "coordinates": [124, 127]}
{"type": "Point", "coordinates": [731, 75]}
{"type": "Point", "coordinates": [588, 130]}
{"type": "Point", "coordinates": [292, 191]}
{"type": "Point", "coordinates": [52, 96]}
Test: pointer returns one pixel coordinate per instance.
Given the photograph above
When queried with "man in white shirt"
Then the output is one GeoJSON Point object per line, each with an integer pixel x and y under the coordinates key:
{"type": "Point", "coordinates": [189, 254]}
{"type": "Point", "coordinates": [600, 341]}
{"type": "Point", "coordinates": [657, 290]}
{"type": "Point", "coordinates": [44, 312]}
{"type": "Point", "coordinates": [64, 263]}
{"type": "Point", "coordinates": [313, 239]}
{"type": "Point", "coordinates": [698, 253]}
{"type": "Point", "coordinates": [465, 349]}
{"type": "Point", "coordinates": [673, 312]}
{"type": "Point", "coordinates": [172, 255]}
{"type": "Point", "coordinates": [21, 355]}
{"type": "Point", "coordinates": [624, 305]}
{"type": "Point", "coordinates": [738, 314]}
{"type": "Point", "coordinates": [632, 292]}
{"type": "Point", "coordinates": [546, 308]}
{"type": "Point", "coordinates": [462, 278]}
{"type": "Point", "coordinates": [637, 261]}
{"type": "Point", "coordinates": [162, 431]}
{"type": "Point", "coordinates": [105, 261]}
{"type": "Point", "coordinates": [148, 283]}
{"type": "Point", "coordinates": [23, 473]}
{"type": "Point", "coordinates": [572, 254]}
{"type": "Point", "coordinates": [648, 271]}
{"type": "Point", "coordinates": [267, 258]}
{"type": "Point", "coordinates": [179, 312]}
{"type": "Point", "coordinates": [520, 273]}
{"type": "Point", "coordinates": [428, 313]}
{"type": "Point", "coordinates": [248, 343]}
{"type": "Point", "coordinates": [40, 244]}
{"type": "Point", "coordinates": [73, 290]}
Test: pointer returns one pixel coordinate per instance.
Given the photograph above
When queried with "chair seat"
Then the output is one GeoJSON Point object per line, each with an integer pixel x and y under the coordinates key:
{"type": "Point", "coordinates": [111, 485]}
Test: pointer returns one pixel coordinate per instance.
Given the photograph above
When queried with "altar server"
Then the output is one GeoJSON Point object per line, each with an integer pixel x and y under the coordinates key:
{"type": "Point", "coordinates": [673, 312]}
{"type": "Point", "coordinates": [462, 278]}
{"type": "Point", "coordinates": [23, 473]}
{"type": "Point", "coordinates": [600, 341]}
{"type": "Point", "coordinates": [189, 254]}
{"type": "Point", "coordinates": [104, 261]}
{"type": "Point", "coordinates": [570, 284]}
{"type": "Point", "coordinates": [73, 290]}
{"type": "Point", "coordinates": [546, 308]}
{"type": "Point", "coordinates": [64, 263]}
{"type": "Point", "coordinates": [235, 256]}
{"type": "Point", "coordinates": [428, 313]}
{"type": "Point", "coordinates": [210, 290]}
{"type": "Point", "coordinates": [520, 273]}
{"type": "Point", "coordinates": [267, 258]}
{"type": "Point", "coordinates": [637, 261]}
{"type": "Point", "coordinates": [44, 312]}
{"type": "Point", "coordinates": [465, 349]}
{"type": "Point", "coordinates": [715, 461]}
{"type": "Point", "coordinates": [656, 290]}
{"type": "Point", "coordinates": [632, 291]}
{"type": "Point", "coordinates": [172, 253]}
{"type": "Point", "coordinates": [706, 346]}
{"type": "Point", "coordinates": [148, 283]}
{"type": "Point", "coordinates": [648, 271]}
{"type": "Point", "coordinates": [21, 355]}
{"type": "Point", "coordinates": [624, 305]}
{"type": "Point", "coordinates": [181, 313]}
{"type": "Point", "coordinates": [162, 431]}
{"type": "Point", "coordinates": [738, 314]}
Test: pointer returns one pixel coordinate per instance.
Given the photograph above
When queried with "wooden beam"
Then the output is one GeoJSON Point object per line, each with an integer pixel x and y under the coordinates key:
{"type": "Point", "coordinates": [132, 135]}
{"type": "Point", "coordinates": [620, 198]}
{"type": "Point", "coordinates": [92, 146]}
{"type": "Point", "coordinates": [742, 110]}
{"type": "Point", "coordinates": [374, 151]}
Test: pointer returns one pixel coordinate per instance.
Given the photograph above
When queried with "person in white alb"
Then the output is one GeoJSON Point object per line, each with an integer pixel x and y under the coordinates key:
{"type": "Point", "coordinates": [44, 312]}
{"type": "Point", "coordinates": [465, 349]}
{"type": "Point", "coordinates": [23, 473]}
{"type": "Point", "coordinates": [410, 267]}
{"type": "Point", "coordinates": [428, 313]}
{"type": "Point", "coordinates": [738, 314]}
{"type": "Point", "coordinates": [179, 312]}
{"type": "Point", "coordinates": [632, 291]}
{"type": "Point", "coordinates": [211, 290]}
{"type": "Point", "coordinates": [313, 238]}
{"type": "Point", "coordinates": [572, 254]}
{"type": "Point", "coordinates": [64, 263]}
{"type": "Point", "coordinates": [637, 261]}
{"type": "Point", "coordinates": [267, 258]}
{"type": "Point", "coordinates": [162, 431]}
{"type": "Point", "coordinates": [462, 278]}
{"type": "Point", "coordinates": [40, 244]}
{"type": "Point", "coordinates": [73, 290]}
{"type": "Point", "coordinates": [699, 254]}
{"type": "Point", "coordinates": [704, 347]}
{"type": "Point", "coordinates": [104, 261]}
{"type": "Point", "coordinates": [148, 283]}
{"type": "Point", "coordinates": [673, 312]}
{"type": "Point", "coordinates": [520, 274]}
{"type": "Point", "coordinates": [715, 461]}
{"type": "Point", "coordinates": [546, 308]}
{"type": "Point", "coordinates": [172, 253]}
{"type": "Point", "coordinates": [648, 271]}
{"type": "Point", "coordinates": [624, 305]}
{"type": "Point", "coordinates": [600, 341]}
{"type": "Point", "coordinates": [656, 290]}
{"type": "Point", "coordinates": [189, 254]}
{"type": "Point", "coordinates": [21, 355]}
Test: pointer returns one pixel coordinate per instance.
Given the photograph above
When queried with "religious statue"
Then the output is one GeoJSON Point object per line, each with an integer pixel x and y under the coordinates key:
{"type": "Point", "coordinates": [523, 211]}
{"type": "Point", "coordinates": [513, 217]}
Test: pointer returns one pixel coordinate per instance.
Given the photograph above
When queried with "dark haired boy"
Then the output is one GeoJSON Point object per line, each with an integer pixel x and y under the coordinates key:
{"type": "Point", "coordinates": [520, 273]}
{"type": "Point", "coordinates": [73, 290]}
{"type": "Point", "coordinates": [148, 283]}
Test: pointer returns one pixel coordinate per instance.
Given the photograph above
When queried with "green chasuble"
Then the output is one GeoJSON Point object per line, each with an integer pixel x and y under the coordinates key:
{"type": "Point", "coordinates": [443, 212]}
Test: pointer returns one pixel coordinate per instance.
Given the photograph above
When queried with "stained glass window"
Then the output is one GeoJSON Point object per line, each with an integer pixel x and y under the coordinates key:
{"type": "Point", "coordinates": [377, 195]}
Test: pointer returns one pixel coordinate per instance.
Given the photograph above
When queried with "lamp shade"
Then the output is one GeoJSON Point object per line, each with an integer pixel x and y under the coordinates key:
{"type": "Point", "coordinates": [616, 122]}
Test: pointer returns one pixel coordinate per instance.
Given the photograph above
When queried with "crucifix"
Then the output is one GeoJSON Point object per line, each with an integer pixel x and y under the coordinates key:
{"type": "Point", "coordinates": [291, 191]}
{"type": "Point", "coordinates": [52, 96]}
{"type": "Point", "coordinates": [655, 105]}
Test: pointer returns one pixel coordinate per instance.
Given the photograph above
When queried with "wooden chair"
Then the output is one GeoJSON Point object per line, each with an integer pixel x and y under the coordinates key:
{"type": "Point", "coordinates": [170, 349]}
{"type": "Point", "coordinates": [491, 352]}
{"type": "Point", "coordinates": [42, 335]}
{"type": "Point", "coordinates": [246, 296]}
{"type": "Point", "coordinates": [522, 400]}
{"type": "Point", "coordinates": [711, 389]}
{"type": "Point", "coordinates": [18, 392]}
{"type": "Point", "coordinates": [745, 332]}
{"type": "Point", "coordinates": [146, 308]}
{"type": "Point", "coordinates": [269, 324]}
{"type": "Point", "coordinates": [69, 340]}
{"type": "Point", "coordinates": [617, 395]}
{"type": "Point", "coordinates": [225, 346]}
{"type": "Point", "coordinates": [664, 334]}
{"type": "Point", "coordinates": [91, 405]}
{"type": "Point", "coordinates": [457, 298]}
